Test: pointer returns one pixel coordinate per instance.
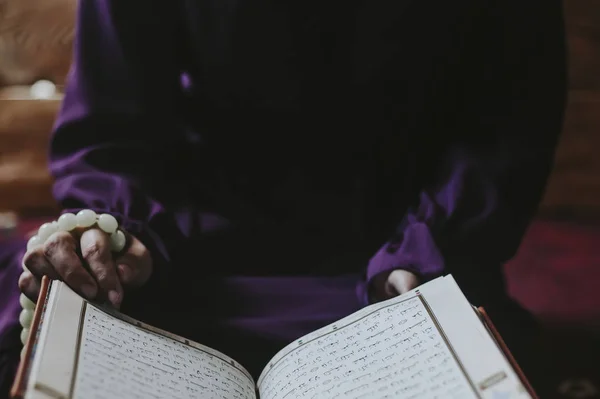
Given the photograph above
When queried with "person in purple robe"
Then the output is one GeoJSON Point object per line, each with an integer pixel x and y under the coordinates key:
{"type": "Point", "coordinates": [277, 166]}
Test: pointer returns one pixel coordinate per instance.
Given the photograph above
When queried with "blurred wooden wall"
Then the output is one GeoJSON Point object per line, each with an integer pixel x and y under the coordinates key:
{"type": "Point", "coordinates": [574, 187]}
{"type": "Point", "coordinates": [35, 43]}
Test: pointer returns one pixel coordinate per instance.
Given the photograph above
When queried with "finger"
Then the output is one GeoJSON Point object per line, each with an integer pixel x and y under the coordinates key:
{"type": "Point", "coordinates": [135, 265]}
{"type": "Point", "coordinates": [60, 250]}
{"type": "Point", "coordinates": [95, 250]}
{"type": "Point", "coordinates": [389, 291]}
{"type": "Point", "coordinates": [402, 281]}
{"type": "Point", "coordinates": [37, 263]}
{"type": "Point", "coordinates": [398, 286]}
{"type": "Point", "coordinates": [30, 285]}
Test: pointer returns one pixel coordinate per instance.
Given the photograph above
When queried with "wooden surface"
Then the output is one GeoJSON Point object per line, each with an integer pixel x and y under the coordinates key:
{"type": "Point", "coordinates": [25, 182]}
{"type": "Point", "coordinates": [35, 43]}
{"type": "Point", "coordinates": [36, 39]}
{"type": "Point", "coordinates": [575, 183]}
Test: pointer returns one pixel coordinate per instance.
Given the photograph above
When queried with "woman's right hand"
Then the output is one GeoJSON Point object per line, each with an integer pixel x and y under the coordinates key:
{"type": "Point", "coordinates": [84, 261]}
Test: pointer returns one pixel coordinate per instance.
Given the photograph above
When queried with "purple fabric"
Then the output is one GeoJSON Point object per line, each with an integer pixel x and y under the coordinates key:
{"type": "Point", "coordinates": [122, 141]}
{"type": "Point", "coordinates": [296, 305]}
{"type": "Point", "coordinates": [314, 143]}
{"type": "Point", "coordinates": [11, 253]}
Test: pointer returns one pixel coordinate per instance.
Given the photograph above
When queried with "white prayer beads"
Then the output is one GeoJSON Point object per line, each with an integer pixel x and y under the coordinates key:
{"type": "Point", "coordinates": [24, 335]}
{"type": "Point", "coordinates": [84, 219]}
{"type": "Point", "coordinates": [46, 230]}
{"type": "Point", "coordinates": [117, 241]}
{"type": "Point", "coordinates": [26, 317]}
{"type": "Point", "coordinates": [33, 242]}
{"type": "Point", "coordinates": [67, 222]}
{"type": "Point", "coordinates": [107, 223]}
{"type": "Point", "coordinates": [26, 303]}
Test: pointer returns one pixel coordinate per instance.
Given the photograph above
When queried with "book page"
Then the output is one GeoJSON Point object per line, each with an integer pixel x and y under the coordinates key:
{"type": "Point", "coordinates": [388, 350]}
{"type": "Point", "coordinates": [481, 358]}
{"type": "Point", "coordinates": [120, 360]}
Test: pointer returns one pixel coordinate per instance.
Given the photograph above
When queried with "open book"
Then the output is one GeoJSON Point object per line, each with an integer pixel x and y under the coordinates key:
{"type": "Point", "coordinates": [427, 343]}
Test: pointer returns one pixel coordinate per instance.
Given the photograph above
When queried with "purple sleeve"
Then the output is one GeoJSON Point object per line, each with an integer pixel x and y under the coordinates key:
{"type": "Point", "coordinates": [475, 208]}
{"type": "Point", "coordinates": [117, 146]}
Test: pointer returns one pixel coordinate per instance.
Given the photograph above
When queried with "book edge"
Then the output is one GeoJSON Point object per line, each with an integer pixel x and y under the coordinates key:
{"type": "Point", "coordinates": [506, 351]}
{"type": "Point", "coordinates": [18, 388]}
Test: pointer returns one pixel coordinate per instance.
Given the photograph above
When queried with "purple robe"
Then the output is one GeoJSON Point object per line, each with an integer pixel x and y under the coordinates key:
{"type": "Point", "coordinates": [276, 157]}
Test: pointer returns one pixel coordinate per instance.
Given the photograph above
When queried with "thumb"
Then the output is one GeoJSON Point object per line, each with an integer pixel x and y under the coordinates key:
{"type": "Point", "coordinates": [401, 281]}
{"type": "Point", "coordinates": [135, 264]}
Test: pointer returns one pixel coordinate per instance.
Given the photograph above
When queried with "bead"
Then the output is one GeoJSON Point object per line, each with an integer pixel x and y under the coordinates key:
{"type": "Point", "coordinates": [26, 303]}
{"type": "Point", "coordinates": [23, 351]}
{"type": "Point", "coordinates": [86, 218]}
{"type": "Point", "coordinates": [42, 90]}
{"type": "Point", "coordinates": [24, 335]}
{"type": "Point", "coordinates": [45, 231]}
{"type": "Point", "coordinates": [33, 242]}
{"type": "Point", "coordinates": [25, 318]}
{"type": "Point", "coordinates": [117, 241]}
{"type": "Point", "coordinates": [67, 222]}
{"type": "Point", "coordinates": [108, 223]}
{"type": "Point", "coordinates": [8, 222]}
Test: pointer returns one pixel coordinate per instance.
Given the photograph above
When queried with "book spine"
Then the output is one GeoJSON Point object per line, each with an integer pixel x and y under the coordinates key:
{"type": "Point", "coordinates": [511, 359]}
{"type": "Point", "coordinates": [20, 382]}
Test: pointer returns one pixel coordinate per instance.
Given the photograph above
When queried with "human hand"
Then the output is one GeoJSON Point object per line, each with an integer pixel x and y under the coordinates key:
{"type": "Point", "coordinates": [397, 282]}
{"type": "Point", "coordinates": [83, 260]}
